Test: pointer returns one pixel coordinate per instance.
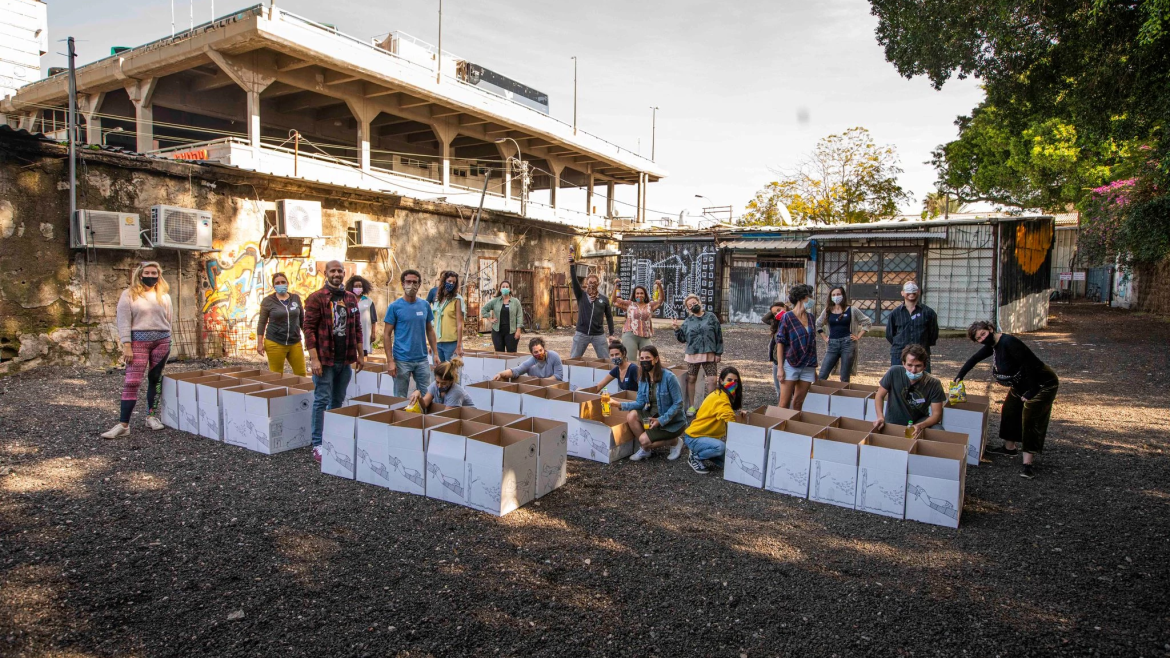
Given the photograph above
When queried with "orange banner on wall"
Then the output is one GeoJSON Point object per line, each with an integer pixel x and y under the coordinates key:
{"type": "Point", "coordinates": [201, 154]}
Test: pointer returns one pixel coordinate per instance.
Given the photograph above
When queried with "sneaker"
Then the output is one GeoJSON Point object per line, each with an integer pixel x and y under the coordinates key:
{"type": "Point", "coordinates": [640, 455]}
{"type": "Point", "coordinates": [1000, 450]}
{"type": "Point", "coordinates": [1029, 471]}
{"type": "Point", "coordinates": [116, 431]}
{"type": "Point", "coordinates": [691, 411]}
{"type": "Point", "coordinates": [317, 454]}
{"type": "Point", "coordinates": [698, 465]}
{"type": "Point", "coordinates": [154, 423]}
{"type": "Point", "coordinates": [675, 450]}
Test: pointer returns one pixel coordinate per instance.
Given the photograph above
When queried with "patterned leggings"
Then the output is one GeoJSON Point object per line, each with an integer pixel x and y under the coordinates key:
{"type": "Point", "coordinates": [152, 353]}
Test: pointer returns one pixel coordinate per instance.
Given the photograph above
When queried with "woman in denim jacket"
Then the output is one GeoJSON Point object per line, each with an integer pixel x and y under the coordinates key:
{"type": "Point", "coordinates": [660, 398]}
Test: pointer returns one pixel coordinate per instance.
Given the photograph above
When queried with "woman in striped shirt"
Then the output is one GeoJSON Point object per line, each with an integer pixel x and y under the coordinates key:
{"type": "Point", "coordinates": [796, 350]}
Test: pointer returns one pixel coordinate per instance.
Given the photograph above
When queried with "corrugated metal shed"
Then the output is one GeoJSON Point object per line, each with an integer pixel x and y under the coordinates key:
{"type": "Point", "coordinates": [957, 279]}
{"type": "Point", "coordinates": [886, 235]}
{"type": "Point", "coordinates": [765, 245]}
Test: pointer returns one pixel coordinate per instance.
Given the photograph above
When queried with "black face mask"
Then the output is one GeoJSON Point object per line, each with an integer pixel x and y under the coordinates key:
{"type": "Point", "coordinates": [646, 365]}
{"type": "Point", "coordinates": [990, 340]}
{"type": "Point", "coordinates": [149, 281]}
{"type": "Point", "coordinates": [695, 308]}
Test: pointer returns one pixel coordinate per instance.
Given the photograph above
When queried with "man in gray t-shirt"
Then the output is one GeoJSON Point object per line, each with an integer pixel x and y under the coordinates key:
{"type": "Point", "coordinates": [543, 363]}
{"type": "Point", "coordinates": [914, 395]}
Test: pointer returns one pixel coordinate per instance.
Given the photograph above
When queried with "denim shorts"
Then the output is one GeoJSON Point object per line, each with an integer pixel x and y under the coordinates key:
{"type": "Point", "coordinates": [805, 374]}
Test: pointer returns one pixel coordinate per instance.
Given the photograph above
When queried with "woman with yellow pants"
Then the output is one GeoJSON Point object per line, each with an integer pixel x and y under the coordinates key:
{"type": "Point", "coordinates": [278, 335]}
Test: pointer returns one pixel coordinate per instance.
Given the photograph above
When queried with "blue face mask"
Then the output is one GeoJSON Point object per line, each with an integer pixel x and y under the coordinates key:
{"type": "Point", "coordinates": [914, 376]}
{"type": "Point", "coordinates": [809, 304]}
{"type": "Point", "coordinates": [281, 288]}
{"type": "Point", "coordinates": [449, 287]}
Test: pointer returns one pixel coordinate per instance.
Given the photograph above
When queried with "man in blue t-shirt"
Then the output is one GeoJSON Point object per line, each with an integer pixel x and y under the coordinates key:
{"type": "Point", "coordinates": [410, 329]}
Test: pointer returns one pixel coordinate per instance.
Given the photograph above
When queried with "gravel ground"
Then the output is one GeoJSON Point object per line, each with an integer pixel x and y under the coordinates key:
{"type": "Point", "coordinates": [164, 544]}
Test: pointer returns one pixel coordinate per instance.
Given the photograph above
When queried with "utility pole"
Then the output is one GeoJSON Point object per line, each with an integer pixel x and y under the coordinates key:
{"type": "Point", "coordinates": [653, 130]}
{"type": "Point", "coordinates": [72, 131]}
{"type": "Point", "coordinates": [439, 55]}
{"type": "Point", "coordinates": [574, 94]}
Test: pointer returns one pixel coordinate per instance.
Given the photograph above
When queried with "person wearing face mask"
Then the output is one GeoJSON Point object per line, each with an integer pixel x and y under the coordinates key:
{"type": "Point", "coordinates": [409, 336]}
{"type": "Point", "coordinates": [846, 326]}
{"type": "Point", "coordinates": [707, 434]}
{"type": "Point", "coordinates": [772, 319]}
{"type": "Point", "coordinates": [915, 396]}
{"type": "Point", "coordinates": [333, 338]}
{"type": "Point", "coordinates": [625, 372]}
{"type": "Point", "coordinates": [278, 332]}
{"type": "Point", "coordinates": [366, 309]}
{"type": "Point", "coordinates": [797, 348]}
{"type": "Point", "coordinates": [509, 317]}
{"type": "Point", "coordinates": [657, 416]}
{"type": "Point", "coordinates": [144, 329]}
{"type": "Point", "coordinates": [1032, 391]}
{"type": "Point", "coordinates": [592, 309]}
{"type": "Point", "coordinates": [638, 330]}
{"type": "Point", "coordinates": [703, 335]}
{"type": "Point", "coordinates": [448, 308]}
{"type": "Point", "coordinates": [912, 323]}
{"type": "Point", "coordinates": [543, 363]}
{"type": "Point", "coordinates": [445, 389]}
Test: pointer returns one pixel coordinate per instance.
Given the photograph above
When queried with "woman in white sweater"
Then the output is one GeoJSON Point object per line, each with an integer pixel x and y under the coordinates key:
{"type": "Point", "coordinates": [144, 329]}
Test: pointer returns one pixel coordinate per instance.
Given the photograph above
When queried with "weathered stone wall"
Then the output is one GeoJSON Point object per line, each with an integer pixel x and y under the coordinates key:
{"type": "Point", "coordinates": [1154, 287]}
{"type": "Point", "coordinates": [58, 304]}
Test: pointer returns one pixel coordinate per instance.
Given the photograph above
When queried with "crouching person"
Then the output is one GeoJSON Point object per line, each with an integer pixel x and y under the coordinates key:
{"type": "Point", "coordinates": [657, 417]}
{"type": "Point", "coordinates": [707, 434]}
{"type": "Point", "coordinates": [916, 397]}
{"type": "Point", "coordinates": [445, 389]}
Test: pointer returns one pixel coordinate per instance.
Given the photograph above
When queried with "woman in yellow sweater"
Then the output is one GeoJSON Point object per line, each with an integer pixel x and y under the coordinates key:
{"type": "Point", "coordinates": [707, 432]}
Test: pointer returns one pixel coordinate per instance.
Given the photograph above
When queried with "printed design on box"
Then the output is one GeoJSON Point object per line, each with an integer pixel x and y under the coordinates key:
{"type": "Point", "coordinates": [551, 474]}
{"type": "Point", "coordinates": [747, 467]}
{"type": "Point", "coordinates": [494, 494]}
{"type": "Point", "coordinates": [191, 420]}
{"type": "Point", "coordinates": [799, 478]}
{"type": "Point", "coordinates": [896, 496]}
{"type": "Point", "coordinates": [945, 507]}
{"type": "Point", "coordinates": [205, 420]}
{"type": "Point", "coordinates": [168, 412]}
{"type": "Point", "coordinates": [377, 468]}
{"type": "Point", "coordinates": [342, 460]}
{"type": "Point", "coordinates": [408, 473]}
{"type": "Point", "coordinates": [846, 486]}
{"type": "Point", "coordinates": [450, 483]}
{"type": "Point", "coordinates": [239, 436]}
{"type": "Point", "coordinates": [972, 454]}
{"type": "Point", "coordinates": [581, 440]}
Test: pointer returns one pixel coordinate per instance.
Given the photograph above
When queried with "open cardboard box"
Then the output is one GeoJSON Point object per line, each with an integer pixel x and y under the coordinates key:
{"type": "Point", "coordinates": [379, 400]}
{"type": "Point", "coordinates": [852, 404]}
{"type": "Point", "coordinates": [578, 372]}
{"type": "Point", "coordinates": [304, 386]}
{"type": "Point", "coordinates": [209, 401]}
{"type": "Point", "coordinates": [818, 399]}
{"type": "Point", "coordinates": [773, 411]}
{"type": "Point", "coordinates": [604, 439]}
{"type": "Point", "coordinates": [233, 412]}
{"type": "Point", "coordinates": [881, 475]}
{"type": "Point", "coordinates": [446, 459]}
{"type": "Point", "coordinates": [533, 399]}
{"type": "Point", "coordinates": [553, 382]}
{"type": "Point", "coordinates": [472, 372]}
{"type": "Point", "coordinates": [506, 397]}
{"type": "Point", "coordinates": [481, 394]}
{"type": "Point", "coordinates": [243, 373]}
{"type": "Point", "coordinates": [551, 451]}
{"type": "Point", "coordinates": [789, 455]}
{"type": "Point", "coordinates": [525, 379]}
{"type": "Point", "coordinates": [833, 471]}
{"type": "Point", "coordinates": [501, 470]}
{"type": "Point", "coordinates": [935, 481]}
{"type": "Point", "coordinates": [371, 446]}
{"type": "Point", "coordinates": [856, 425]}
{"type": "Point", "coordinates": [265, 377]}
{"type": "Point", "coordinates": [568, 405]}
{"type": "Point", "coordinates": [747, 449]}
{"type": "Point", "coordinates": [406, 447]}
{"type": "Point", "coordinates": [462, 413]}
{"type": "Point", "coordinates": [867, 388]}
{"type": "Point", "coordinates": [968, 418]}
{"type": "Point", "coordinates": [499, 418]}
{"type": "Point", "coordinates": [189, 401]}
{"type": "Point", "coordinates": [370, 379]}
{"type": "Point", "coordinates": [227, 369]}
{"type": "Point", "coordinates": [830, 383]}
{"type": "Point", "coordinates": [817, 419]}
{"type": "Point", "coordinates": [278, 419]}
{"type": "Point", "coordinates": [339, 439]}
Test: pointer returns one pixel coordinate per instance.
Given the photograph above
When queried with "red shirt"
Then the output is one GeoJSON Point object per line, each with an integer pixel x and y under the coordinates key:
{"type": "Point", "coordinates": [318, 326]}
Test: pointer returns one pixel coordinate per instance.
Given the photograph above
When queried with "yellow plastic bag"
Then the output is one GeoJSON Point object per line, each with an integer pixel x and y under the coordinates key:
{"type": "Point", "coordinates": [416, 408]}
{"type": "Point", "coordinates": [957, 393]}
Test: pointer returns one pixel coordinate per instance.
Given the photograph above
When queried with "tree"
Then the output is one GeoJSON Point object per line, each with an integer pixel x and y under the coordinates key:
{"type": "Point", "coordinates": [940, 203]}
{"type": "Point", "coordinates": [846, 179]}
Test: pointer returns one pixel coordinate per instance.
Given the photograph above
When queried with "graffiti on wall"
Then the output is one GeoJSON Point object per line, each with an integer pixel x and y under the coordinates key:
{"type": "Point", "coordinates": [685, 267]}
{"type": "Point", "coordinates": [1025, 258]}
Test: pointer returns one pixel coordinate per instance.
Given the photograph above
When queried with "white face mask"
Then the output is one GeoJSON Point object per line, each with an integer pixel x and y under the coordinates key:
{"type": "Point", "coordinates": [837, 299]}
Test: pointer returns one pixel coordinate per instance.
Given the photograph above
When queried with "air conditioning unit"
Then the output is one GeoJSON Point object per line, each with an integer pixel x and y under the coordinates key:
{"type": "Point", "coordinates": [180, 228]}
{"type": "Point", "coordinates": [371, 234]}
{"type": "Point", "coordinates": [101, 229]}
{"type": "Point", "coordinates": [298, 219]}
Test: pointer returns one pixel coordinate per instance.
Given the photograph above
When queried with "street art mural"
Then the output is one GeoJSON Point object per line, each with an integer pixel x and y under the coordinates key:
{"type": "Point", "coordinates": [1025, 258]}
{"type": "Point", "coordinates": [684, 266]}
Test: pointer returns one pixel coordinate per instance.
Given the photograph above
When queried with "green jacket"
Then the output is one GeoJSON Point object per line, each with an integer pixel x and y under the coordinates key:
{"type": "Point", "coordinates": [515, 313]}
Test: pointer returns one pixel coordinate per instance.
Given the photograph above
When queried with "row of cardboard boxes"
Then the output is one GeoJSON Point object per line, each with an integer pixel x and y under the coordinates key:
{"type": "Point", "coordinates": [481, 367]}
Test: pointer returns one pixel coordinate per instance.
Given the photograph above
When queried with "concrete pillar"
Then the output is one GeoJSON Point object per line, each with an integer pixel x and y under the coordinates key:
{"type": "Point", "coordinates": [26, 121]}
{"type": "Point", "coordinates": [506, 151]}
{"type": "Point", "coordinates": [253, 72]}
{"type": "Point", "coordinates": [609, 199]}
{"type": "Point", "coordinates": [639, 212]}
{"type": "Point", "coordinates": [141, 94]}
{"type": "Point", "coordinates": [445, 130]}
{"type": "Point", "coordinates": [254, 121]}
{"type": "Point", "coordinates": [589, 192]}
{"type": "Point", "coordinates": [555, 183]}
{"type": "Point", "coordinates": [88, 105]}
{"type": "Point", "coordinates": [364, 113]}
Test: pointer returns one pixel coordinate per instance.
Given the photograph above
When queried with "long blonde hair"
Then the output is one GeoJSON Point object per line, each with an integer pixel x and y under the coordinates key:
{"type": "Point", "coordinates": [137, 289]}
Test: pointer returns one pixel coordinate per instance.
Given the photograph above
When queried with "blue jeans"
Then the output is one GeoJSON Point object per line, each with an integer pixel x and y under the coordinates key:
{"type": "Point", "coordinates": [704, 447]}
{"type": "Point", "coordinates": [840, 349]}
{"type": "Point", "coordinates": [422, 376]}
{"type": "Point", "coordinates": [447, 350]}
{"type": "Point", "coordinates": [328, 394]}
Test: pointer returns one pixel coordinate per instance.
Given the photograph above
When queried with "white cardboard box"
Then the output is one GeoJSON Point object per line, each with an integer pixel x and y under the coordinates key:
{"type": "Point", "coordinates": [881, 475]}
{"type": "Point", "coordinates": [936, 475]}
{"type": "Point", "coordinates": [817, 400]}
{"type": "Point", "coordinates": [189, 401]}
{"type": "Point", "coordinates": [789, 456]}
{"type": "Point", "coordinates": [579, 373]}
{"type": "Point", "coordinates": [506, 397]}
{"type": "Point", "coordinates": [447, 460]}
{"type": "Point", "coordinates": [480, 394]}
{"type": "Point", "coordinates": [833, 471]}
{"type": "Point", "coordinates": [209, 400]}
{"type": "Point", "coordinates": [339, 439]}
{"type": "Point", "coordinates": [501, 470]}
{"type": "Point", "coordinates": [551, 452]}
{"type": "Point", "coordinates": [579, 405]}
{"type": "Point", "coordinates": [378, 400]}
{"type": "Point", "coordinates": [372, 447]}
{"type": "Point", "coordinates": [472, 370]}
{"type": "Point", "coordinates": [499, 419]}
{"type": "Point", "coordinates": [461, 413]}
{"type": "Point", "coordinates": [968, 418]}
{"type": "Point", "coordinates": [279, 419]}
{"type": "Point", "coordinates": [234, 411]}
{"type": "Point", "coordinates": [605, 439]}
{"type": "Point", "coordinates": [747, 450]}
{"type": "Point", "coordinates": [535, 402]}
{"type": "Point", "coordinates": [851, 404]}
{"type": "Point", "coordinates": [406, 460]}
{"type": "Point", "coordinates": [369, 379]}
{"type": "Point", "coordinates": [773, 411]}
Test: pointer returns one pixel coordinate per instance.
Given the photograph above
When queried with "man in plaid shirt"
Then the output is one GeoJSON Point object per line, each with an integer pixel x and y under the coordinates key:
{"type": "Point", "coordinates": [333, 337]}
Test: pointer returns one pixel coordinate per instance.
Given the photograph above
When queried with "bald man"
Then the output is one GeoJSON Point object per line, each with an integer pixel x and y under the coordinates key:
{"type": "Point", "coordinates": [333, 337]}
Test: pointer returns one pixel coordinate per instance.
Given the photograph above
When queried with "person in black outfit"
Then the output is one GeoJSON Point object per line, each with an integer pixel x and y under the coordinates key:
{"type": "Point", "coordinates": [911, 324]}
{"type": "Point", "coordinates": [592, 310]}
{"type": "Point", "coordinates": [1028, 407]}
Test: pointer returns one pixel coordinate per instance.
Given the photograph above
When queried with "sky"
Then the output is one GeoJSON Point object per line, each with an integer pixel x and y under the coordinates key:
{"type": "Point", "coordinates": [732, 80]}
